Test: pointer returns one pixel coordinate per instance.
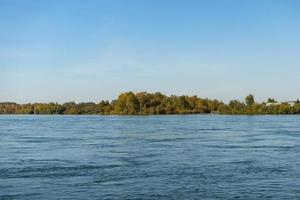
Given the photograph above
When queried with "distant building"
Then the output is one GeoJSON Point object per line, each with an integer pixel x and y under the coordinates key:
{"type": "Point", "coordinates": [290, 103]}
{"type": "Point", "coordinates": [273, 104]}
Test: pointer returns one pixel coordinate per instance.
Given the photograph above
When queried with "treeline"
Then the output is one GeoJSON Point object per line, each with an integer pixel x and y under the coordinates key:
{"type": "Point", "coordinates": [144, 103]}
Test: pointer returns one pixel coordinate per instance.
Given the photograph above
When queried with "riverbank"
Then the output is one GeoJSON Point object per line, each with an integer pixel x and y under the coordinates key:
{"type": "Point", "coordinates": [144, 103]}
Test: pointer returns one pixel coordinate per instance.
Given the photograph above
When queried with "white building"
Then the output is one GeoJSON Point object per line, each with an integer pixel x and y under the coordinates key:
{"type": "Point", "coordinates": [273, 104]}
{"type": "Point", "coordinates": [290, 103]}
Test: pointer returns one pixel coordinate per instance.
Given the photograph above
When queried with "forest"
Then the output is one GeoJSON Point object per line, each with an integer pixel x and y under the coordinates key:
{"type": "Point", "coordinates": [143, 103]}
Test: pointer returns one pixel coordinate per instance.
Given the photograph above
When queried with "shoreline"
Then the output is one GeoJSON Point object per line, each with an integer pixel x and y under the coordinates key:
{"type": "Point", "coordinates": [143, 103]}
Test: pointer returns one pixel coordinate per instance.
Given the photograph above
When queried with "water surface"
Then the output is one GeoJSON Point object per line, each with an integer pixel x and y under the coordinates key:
{"type": "Point", "coordinates": [149, 157]}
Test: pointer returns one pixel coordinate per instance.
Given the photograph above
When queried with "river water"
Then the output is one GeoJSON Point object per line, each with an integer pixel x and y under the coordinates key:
{"type": "Point", "coordinates": [149, 157]}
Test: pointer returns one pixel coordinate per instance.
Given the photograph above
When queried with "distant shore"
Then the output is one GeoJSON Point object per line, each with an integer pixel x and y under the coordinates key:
{"type": "Point", "coordinates": [143, 103]}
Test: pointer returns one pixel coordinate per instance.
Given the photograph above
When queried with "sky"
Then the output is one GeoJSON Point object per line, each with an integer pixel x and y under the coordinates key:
{"type": "Point", "coordinates": [89, 50]}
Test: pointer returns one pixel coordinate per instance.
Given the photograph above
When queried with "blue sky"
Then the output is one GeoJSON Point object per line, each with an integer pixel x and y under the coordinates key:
{"type": "Point", "coordinates": [90, 50]}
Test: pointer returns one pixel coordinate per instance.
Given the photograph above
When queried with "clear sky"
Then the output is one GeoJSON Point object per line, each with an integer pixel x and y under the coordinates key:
{"type": "Point", "coordinates": [88, 50]}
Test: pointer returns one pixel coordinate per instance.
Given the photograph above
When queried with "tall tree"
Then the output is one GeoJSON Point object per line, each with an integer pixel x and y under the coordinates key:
{"type": "Point", "coordinates": [249, 100]}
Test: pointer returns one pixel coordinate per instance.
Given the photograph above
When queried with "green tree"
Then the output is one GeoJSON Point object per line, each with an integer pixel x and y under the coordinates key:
{"type": "Point", "coordinates": [249, 100]}
{"type": "Point", "coordinates": [271, 100]}
{"type": "Point", "coordinates": [236, 107]}
{"type": "Point", "coordinates": [127, 103]}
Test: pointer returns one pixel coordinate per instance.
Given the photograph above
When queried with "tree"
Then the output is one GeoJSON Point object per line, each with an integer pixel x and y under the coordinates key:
{"type": "Point", "coordinates": [127, 103]}
{"type": "Point", "coordinates": [236, 106]}
{"type": "Point", "coordinates": [249, 100]}
{"type": "Point", "coordinates": [271, 100]}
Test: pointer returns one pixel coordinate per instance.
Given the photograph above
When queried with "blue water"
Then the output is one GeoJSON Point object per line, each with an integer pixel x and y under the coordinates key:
{"type": "Point", "coordinates": [150, 157]}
